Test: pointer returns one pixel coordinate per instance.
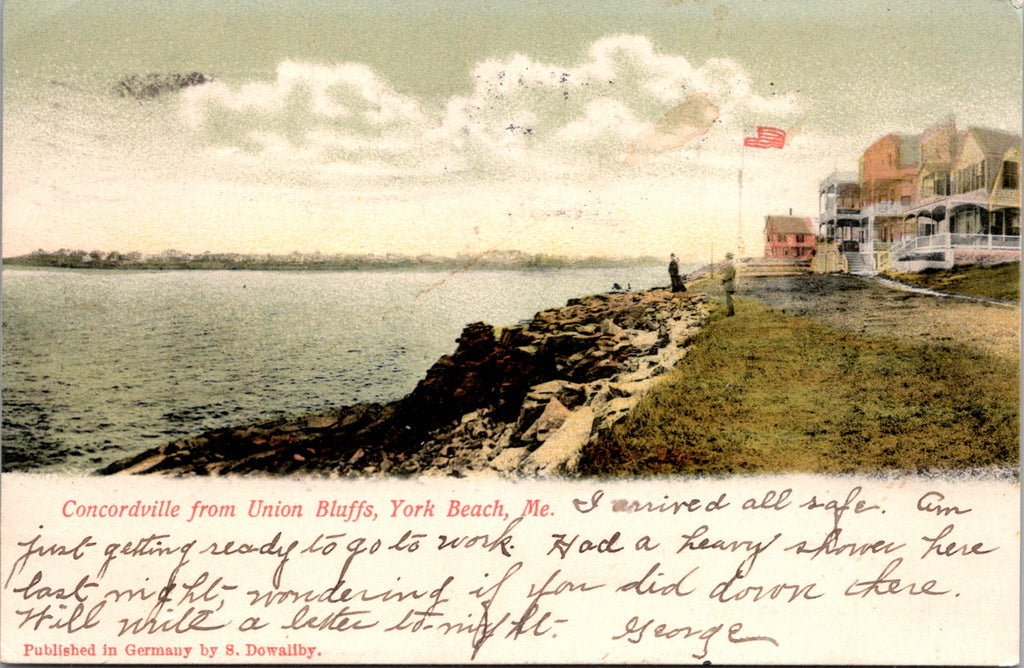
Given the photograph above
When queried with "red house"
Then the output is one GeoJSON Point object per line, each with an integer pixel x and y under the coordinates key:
{"type": "Point", "coordinates": [789, 238]}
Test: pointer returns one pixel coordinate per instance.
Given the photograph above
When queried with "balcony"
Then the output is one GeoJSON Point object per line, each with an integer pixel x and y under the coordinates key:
{"type": "Point", "coordinates": [883, 209]}
{"type": "Point", "coordinates": [942, 242]}
{"type": "Point", "coordinates": [833, 210]}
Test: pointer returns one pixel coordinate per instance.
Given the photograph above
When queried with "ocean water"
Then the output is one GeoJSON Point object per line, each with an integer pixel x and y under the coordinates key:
{"type": "Point", "coordinates": [98, 365]}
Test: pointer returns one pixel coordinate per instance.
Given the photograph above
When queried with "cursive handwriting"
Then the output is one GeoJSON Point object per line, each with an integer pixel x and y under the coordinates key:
{"type": "Point", "coordinates": [699, 570]}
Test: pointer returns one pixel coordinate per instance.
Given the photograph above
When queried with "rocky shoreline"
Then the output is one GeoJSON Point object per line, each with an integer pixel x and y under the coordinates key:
{"type": "Point", "coordinates": [520, 401]}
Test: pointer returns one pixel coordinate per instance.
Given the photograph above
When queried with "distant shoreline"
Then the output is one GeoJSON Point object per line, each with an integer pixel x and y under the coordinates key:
{"type": "Point", "coordinates": [511, 260]}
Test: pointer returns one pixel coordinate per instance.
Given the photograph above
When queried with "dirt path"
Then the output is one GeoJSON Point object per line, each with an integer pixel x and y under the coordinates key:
{"type": "Point", "coordinates": [863, 305]}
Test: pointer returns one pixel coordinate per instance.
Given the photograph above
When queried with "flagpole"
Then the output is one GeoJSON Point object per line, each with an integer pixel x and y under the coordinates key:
{"type": "Point", "coordinates": [739, 213]}
{"type": "Point", "coordinates": [767, 137]}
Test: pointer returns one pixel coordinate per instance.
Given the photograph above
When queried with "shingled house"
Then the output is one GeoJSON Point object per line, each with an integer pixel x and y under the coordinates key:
{"type": "Point", "coordinates": [938, 199]}
{"type": "Point", "coordinates": [789, 238]}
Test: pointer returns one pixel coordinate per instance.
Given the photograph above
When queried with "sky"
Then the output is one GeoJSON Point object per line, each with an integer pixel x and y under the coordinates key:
{"type": "Point", "coordinates": [562, 127]}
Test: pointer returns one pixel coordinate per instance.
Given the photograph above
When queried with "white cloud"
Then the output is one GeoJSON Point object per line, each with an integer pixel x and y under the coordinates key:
{"type": "Point", "coordinates": [523, 118]}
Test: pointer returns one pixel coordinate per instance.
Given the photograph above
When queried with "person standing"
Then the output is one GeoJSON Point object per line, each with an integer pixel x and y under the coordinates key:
{"type": "Point", "coordinates": [729, 284]}
{"type": "Point", "coordinates": [673, 274]}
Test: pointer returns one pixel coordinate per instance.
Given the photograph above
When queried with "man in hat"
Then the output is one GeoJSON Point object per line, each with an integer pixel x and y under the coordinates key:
{"type": "Point", "coordinates": [729, 283]}
{"type": "Point", "coordinates": [673, 274]}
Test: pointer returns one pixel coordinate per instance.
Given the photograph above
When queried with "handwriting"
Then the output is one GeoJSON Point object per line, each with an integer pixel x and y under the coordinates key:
{"type": "Point", "coordinates": [929, 503]}
{"type": "Point", "coordinates": [673, 507]}
{"type": "Point", "coordinates": [755, 548]}
{"type": "Point", "coordinates": [886, 584]}
{"type": "Point", "coordinates": [830, 545]}
{"type": "Point", "coordinates": [838, 508]}
{"type": "Point", "coordinates": [613, 573]}
{"type": "Point", "coordinates": [33, 547]}
{"type": "Point", "coordinates": [951, 548]}
{"type": "Point", "coordinates": [635, 630]}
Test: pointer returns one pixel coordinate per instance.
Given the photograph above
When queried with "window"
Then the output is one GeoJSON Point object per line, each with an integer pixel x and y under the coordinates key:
{"type": "Point", "coordinates": [970, 178]}
{"type": "Point", "coordinates": [1011, 175]}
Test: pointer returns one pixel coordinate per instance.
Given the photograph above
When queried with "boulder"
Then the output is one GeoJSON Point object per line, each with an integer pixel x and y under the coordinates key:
{"type": "Point", "coordinates": [554, 415]}
{"type": "Point", "coordinates": [569, 394]}
{"type": "Point", "coordinates": [614, 410]}
{"type": "Point", "coordinates": [561, 452]}
{"type": "Point", "coordinates": [508, 459]}
{"type": "Point", "coordinates": [609, 328]}
{"type": "Point", "coordinates": [643, 342]}
{"type": "Point", "coordinates": [630, 388]}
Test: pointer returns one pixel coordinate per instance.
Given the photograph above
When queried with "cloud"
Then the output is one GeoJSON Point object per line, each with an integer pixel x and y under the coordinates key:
{"type": "Point", "coordinates": [523, 118]}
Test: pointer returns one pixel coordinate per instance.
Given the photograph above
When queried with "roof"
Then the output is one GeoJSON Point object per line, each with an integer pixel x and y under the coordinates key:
{"type": "Point", "coordinates": [994, 141]}
{"type": "Point", "coordinates": [787, 225]}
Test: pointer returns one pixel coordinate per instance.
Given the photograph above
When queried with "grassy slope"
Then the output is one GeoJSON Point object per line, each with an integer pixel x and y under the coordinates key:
{"type": "Point", "coordinates": [767, 392]}
{"type": "Point", "coordinates": [1001, 281]}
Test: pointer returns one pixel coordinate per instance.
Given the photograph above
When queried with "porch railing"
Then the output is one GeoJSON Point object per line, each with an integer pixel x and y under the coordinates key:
{"type": "Point", "coordinates": [946, 241]}
{"type": "Point", "coordinates": [882, 208]}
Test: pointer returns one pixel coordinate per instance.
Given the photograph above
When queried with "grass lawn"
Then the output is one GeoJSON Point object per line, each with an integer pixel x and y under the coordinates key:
{"type": "Point", "coordinates": [1001, 281]}
{"type": "Point", "coordinates": [765, 392]}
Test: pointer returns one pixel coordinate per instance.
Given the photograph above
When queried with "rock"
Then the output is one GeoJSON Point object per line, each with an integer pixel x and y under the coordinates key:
{"type": "Point", "coordinates": [569, 394]}
{"type": "Point", "coordinates": [561, 452]}
{"type": "Point", "coordinates": [504, 438]}
{"type": "Point", "coordinates": [614, 410]}
{"type": "Point", "coordinates": [555, 413]}
{"type": "Point", "coordinates": [670, 355]}
{"type": "Point", "coordinates": [643, 342]}
{"type": "Point", "coordinates": [602, 368]}
{"type": "Point", "coordinates": [628, 389]}
{"type": "Point", "coordinates": [321, 421]}
{"type": "Point", "coordinates": [609, 328]}
{"type": "Point", "coordinates": [508, 459]}
{"type": "Point", "coordinates": [471, 417]}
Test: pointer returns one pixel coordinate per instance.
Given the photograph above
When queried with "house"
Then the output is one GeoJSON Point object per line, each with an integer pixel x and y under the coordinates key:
{"type": "Point", "coordinates": [973, 182]}
{"type": "Point", "coordinates": [1004, 202]}
{"type": "Point", "coordinates": [888, 171]}
{"type": "Point", "coordinates": [789, 238]}
{"type": "Point", "coordinates": [978, 220]}
{"type": "Point", "coordinates": [937, 199]}
{"type": "Point", "coordinates": [940, 145]}
{"type": "Point", "coordinates": [839, 209]}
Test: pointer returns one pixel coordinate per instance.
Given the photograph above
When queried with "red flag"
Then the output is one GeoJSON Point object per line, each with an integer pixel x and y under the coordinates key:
{"type": "Point", "coordinates": [766, 138]}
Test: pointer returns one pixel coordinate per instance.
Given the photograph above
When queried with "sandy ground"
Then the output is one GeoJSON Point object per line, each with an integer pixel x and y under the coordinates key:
{"type": "Point", "coordinates": [864, 305]}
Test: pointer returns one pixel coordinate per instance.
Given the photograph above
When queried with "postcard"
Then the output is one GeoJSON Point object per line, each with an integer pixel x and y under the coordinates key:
{"type": "Point", "coordinates": [661, 331]}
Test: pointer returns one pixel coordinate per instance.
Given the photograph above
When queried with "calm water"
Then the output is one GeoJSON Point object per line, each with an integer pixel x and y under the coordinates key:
{"type": "Point", "coordinates": [99, 365]}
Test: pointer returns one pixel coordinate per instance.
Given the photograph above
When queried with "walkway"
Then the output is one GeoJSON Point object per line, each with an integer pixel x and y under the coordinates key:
{"type": "Point", "coordinates": [896, 285]}
{"type": "Point", "coordinates": [877, 308]}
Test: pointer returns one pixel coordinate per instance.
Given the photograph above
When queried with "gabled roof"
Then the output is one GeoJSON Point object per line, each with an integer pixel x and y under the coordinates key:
{"type": "Point", "coordinates": [994, 142]}
{"type": "Point", "coordinates": [787, 225]}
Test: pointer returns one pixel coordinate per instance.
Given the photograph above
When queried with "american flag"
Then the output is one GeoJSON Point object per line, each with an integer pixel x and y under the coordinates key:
{"type": "Point", "coordinates": [766, 138]}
